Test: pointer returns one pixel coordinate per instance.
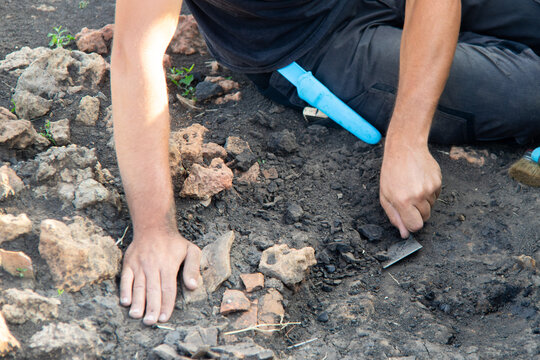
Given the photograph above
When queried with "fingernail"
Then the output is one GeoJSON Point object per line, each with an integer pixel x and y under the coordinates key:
{"type": "Point", "coordinates": [162, 317]}
{"type": "Point", "coordinates": [149, 318]}
{"type": "Point", "coordinates": [193, 283]}
{"type": "Point", "coordinates": [124, 300]}
{"type": "Point", "coordinates": [134, 312]}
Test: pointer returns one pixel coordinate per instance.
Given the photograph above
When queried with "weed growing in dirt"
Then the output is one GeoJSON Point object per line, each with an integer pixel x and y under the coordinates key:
{"type": "Point", "coordinates": [46, 132]}
{"type": "Point", "coordinates": [183, 79]}
{"type": "Point", "coordinates": [59, 38]}
{"type": "Point", "coordinates": [83, 4]}
{"type": "Point", "coordinates": [60, 291]}
{"type": "Point", "coordinates": [21, 271]}
{"type": "Point", "coordinates": [13, 108]}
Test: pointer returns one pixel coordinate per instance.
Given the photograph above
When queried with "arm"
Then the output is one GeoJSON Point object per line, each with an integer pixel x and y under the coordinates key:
{"type": "Point", "coordinates": [410, 176]}
{"type": "Point", "coordinates": [143, 31]}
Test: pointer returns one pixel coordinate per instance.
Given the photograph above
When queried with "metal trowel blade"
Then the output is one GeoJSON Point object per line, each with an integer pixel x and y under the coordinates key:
{"type": "Point", "coordinates": [401, 250]}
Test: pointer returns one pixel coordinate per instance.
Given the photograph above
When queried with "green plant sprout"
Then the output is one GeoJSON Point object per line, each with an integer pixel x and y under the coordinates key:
{"type": "Point", "coordinates": [60, 291]}
{"type": "Point", "coordinates": [59, 38]}
{"type": "Point", "coordinates": [183, 79]}
{"type": "Point", "coordinates": [21, 271]}
{"type": "Point", "coordinates": [13, 106]}
{"type": "Point", "coordinates": [83, 4]}
{"type": "Point", "coordinates": [46, 132]}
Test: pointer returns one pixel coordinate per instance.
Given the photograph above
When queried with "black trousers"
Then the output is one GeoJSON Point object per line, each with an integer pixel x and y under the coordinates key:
{"type": "Point", "coordinates": [493, 91]}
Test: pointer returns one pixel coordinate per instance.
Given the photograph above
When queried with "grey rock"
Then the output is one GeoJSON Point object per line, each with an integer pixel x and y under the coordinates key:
{"type": "Point", "coordinates": [60, 132]}
{"type": "Point", "coordinates": [10, 183]}
{"type": "Point", "coordinates": [88, 111]}
{"type": "Point", "coordinates": [206, 90]}
{"type": "Point", "coordinates": [30, 106]}
{"type": "Point", "coordinates": [246, 350]}
{"type": "Point", "coordinates": [283, 142]}
{"type": "Point", "coordinates": [371, 232]}
{"type": "Point", "coordinates": [19, 134]}
{"type": "Point", "coordinates": [293, 213]}
{"type": "Point", "coordinates": [89, 192]}
{"type": "Point", "coordinates": [17, 61]}
{"type": "Point", "coordinates": [25, 305]}
{"type": "Point", "coordinates": [166, 352]}
{"type": "Point", "coordinates": [216, 261]}
{"type": "Point", "coordinates": [64, 341]}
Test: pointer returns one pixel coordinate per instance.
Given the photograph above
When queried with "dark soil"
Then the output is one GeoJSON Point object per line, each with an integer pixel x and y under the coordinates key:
{"type": "Point", "coordinates": [462, 296]}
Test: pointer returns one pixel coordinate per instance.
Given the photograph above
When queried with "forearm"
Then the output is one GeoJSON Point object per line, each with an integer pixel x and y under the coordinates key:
{"type": "Point", "coordinates": [140, 110]}
{"type": "Point", "coordinates": [427, 49]}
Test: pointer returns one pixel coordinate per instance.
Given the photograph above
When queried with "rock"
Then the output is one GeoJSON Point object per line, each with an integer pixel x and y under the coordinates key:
{"type": "Point", "coordinates": [88, 111]}
{"type": "Point", "coordinates": [226, 84]}
{"type": "Point", "coordinates": [270, 174]}
{"type": "Point", "coordinates": [216, 261]}
{"type": "Point", "coordinates": [371, 232]}
{"type": "Point", "coordinates": [293, 213]}
{"type": "Point", "coordinates": [78, 254]}
{"type": "Point", "coordinates": [60, 172]}
{"type": "Point", "coordinates": [21, 306]}
{"type": "Point", "coordinates": [472, 156]}
{"type": "Point", "coordinates": [5, 114]}
{"type": "Point", "coordinates": [166, 352]}
{"type": "Point", "coordinates": [248, 318]}
{"type": "Point", "coordinates": [271, 309]}
{"type": "Point", "coordinates": [197, 295]}
{"type": "Point", "coordinates": [60, 132]}
{"type": "Point", "coordinates": [244, 350]}
{"type": "Point", "coordinates": [10, 185]}
{"type": "Point", "coordinates": [237, 96]}
{"type": "Point", "coordinates": [245, 160]}
{"type": "Point", "coordinates": [203, 182]}
{"type": "Point", "coordinates": [90, 40]}
{"type": "Point", "coordinates": [250, 176]}
{"type": "Point", "coordinates": [29, 105]}
{"type": "Point", "coordinates": [12, 226]}
{"type": "Point", "coordinates": [15, 62]}
{"type": "Point", "coordinates": [186, 146]}
{"type": "Point", "coordinates": [283, 142]}
{"type": "Point", "coordinates": [526, 262]}
{"type": "Point", "coordinates": [206, 90]}
{"type": "Point", "coordinates": [235, 146]}
{"type": "Point", "coordinates": [8, 343]}
{"type": "Point", "coordinates": [252, 282]}
{"type": "Point", "coordinates": [89, 192]}
{"type": "Point", "coordinates": [17, 263]}
{"type": "Point", "coordinates": [212, 150]}
{"type": "Point", "coordinates": [19, 134]}
{"type": "Point", "coordinates": [288, 265]}
{"type": "Point", "coordinates": [274, 283]}
{"type": "Point", "coordinates": [56, 71]}
{"type": "Point", "coordinates": [198, 339]}
{"type": "Point", "coordinates": [64, 341]}
{"type": "Point", "coordinates": [323, 317]}
{"type": "Point", "coordinates": [187, 39]}
{"type": "Point", "coordinates": [233, 301]}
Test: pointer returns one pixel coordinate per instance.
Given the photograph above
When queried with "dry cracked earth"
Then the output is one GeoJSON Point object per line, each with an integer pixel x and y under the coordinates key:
{"type": "Point", "coordinates": [286, 213]}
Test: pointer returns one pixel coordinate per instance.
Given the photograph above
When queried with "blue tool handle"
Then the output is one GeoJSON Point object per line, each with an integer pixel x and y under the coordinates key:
{"type": "Point", "coordinates": [535, 155]}
{"type": "Point", "coordinates": [317, 95]}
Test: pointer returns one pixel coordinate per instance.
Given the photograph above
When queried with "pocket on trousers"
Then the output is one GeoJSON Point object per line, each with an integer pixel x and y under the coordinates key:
{"type": "Point", "coordinates": [449, 126]}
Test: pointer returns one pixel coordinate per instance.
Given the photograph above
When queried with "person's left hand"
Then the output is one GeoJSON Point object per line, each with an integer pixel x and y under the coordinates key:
{"type": "Point", "coordinates": [409, 186]}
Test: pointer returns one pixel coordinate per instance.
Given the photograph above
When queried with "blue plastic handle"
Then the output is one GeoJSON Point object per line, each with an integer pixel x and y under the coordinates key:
{"type": "Point", "coordinates": [317, 95]}
{"type": "Point", "coordinates": [535, 155]}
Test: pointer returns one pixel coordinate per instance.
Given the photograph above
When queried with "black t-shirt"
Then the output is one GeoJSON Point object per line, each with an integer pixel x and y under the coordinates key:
{"type": "Point", "coordinates": [254, 36]}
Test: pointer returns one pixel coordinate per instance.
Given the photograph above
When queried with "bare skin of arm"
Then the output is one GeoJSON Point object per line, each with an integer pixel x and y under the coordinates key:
{"type": "Point", "coordinates": [143, 31]}
{"type": "Point", "coordinates": [410, 177]}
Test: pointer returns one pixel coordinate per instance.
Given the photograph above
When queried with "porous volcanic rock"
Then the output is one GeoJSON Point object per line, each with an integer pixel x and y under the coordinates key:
{"type": "Point", "coordinates": [8, 342]}
{"type": "Point", "coordinates": [204, 182]}
{"type": "Point", "coordinates": [19, 134]}
{"type": "Point", "coordinates": [88, 111]}
{"type": "Point", "coordinates": [288, 265]}
{"type": "Point", "coordinates": [64, 341]}
{"type": "Point", "coordinates": [21, 306]}
{"type": "Point", "coordinates": [17, 263]}
{"type": "Point", "coordinates": [78, 254]}
{"type": "Point", "coordinates": [10, 183]}
{"type": "Point", "coordinates": [17, 61]}
{"type": "Point", "coordinates": [185, 147]}
{"type": "Point", "coordinates": [187, 39]}
{"type": "Point", "coordinates": [60, 132]}
{"type": "Point", "coordinates": [12, 226]}
{"type": "Point", "coordinates": [91, 40]}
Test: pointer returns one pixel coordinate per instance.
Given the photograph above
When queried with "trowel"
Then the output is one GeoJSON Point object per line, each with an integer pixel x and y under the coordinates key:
{"type": "Point", "coordinates": [401, 250]}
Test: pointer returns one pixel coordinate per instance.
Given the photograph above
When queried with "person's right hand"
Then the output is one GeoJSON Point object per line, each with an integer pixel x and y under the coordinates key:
{"type": "Point", "coordinates": [151, 265]}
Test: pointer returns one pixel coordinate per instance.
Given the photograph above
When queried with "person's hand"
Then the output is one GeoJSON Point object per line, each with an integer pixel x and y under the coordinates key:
{"type": "Point", "coordinates": [410, 184]}
{"type": "Point", "coordinates": [151, 265]}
